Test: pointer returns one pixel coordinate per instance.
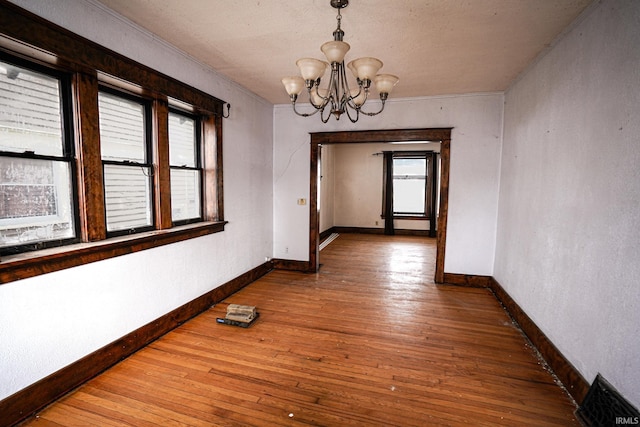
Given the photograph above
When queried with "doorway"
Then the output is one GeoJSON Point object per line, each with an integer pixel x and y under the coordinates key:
{"type": "Point", "coordinates": [442, 135]}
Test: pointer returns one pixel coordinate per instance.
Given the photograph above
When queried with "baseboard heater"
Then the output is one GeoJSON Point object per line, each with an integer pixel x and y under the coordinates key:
{"type": "Point", "coordinates": [604, 406]}
{"type": "Point", "coordinates": [331, 238]}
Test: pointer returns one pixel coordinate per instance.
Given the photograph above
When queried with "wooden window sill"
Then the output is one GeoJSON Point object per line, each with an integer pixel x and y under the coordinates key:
{"type": "Point", "coordinates": [30, 264]}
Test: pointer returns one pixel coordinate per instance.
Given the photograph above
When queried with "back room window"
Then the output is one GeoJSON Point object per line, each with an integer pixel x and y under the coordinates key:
{"type": "Point", "coordinates": [409, 186]}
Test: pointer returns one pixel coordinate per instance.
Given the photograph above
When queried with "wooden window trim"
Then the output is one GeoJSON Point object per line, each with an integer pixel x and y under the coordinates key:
{"type": "Point", "coordinates": [28, 36]}
{"type": "Point", "coordinates": [200, 137]}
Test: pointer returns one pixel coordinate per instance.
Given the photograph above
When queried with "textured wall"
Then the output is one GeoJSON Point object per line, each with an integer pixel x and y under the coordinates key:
{"type": "Point", "coordinates": [49, 321]}
{"type": "Point", "coordinates": [568, 246]}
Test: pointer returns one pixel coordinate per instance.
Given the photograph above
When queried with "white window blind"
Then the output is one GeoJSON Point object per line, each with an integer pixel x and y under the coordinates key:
{"type": "Point", "coordinates": [127, 175]}
{"type": "Point", "coordinates": [36, 203]}
{"type": "Point", "coordinates": [186, 175]}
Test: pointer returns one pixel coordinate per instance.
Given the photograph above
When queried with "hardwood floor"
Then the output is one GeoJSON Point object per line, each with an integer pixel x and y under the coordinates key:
{"type": "Point", "coordinates": [369, 340]}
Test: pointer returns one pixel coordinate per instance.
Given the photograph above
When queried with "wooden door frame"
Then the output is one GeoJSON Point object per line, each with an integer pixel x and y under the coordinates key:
{"type": "Point", "coordinates": [442, 135]}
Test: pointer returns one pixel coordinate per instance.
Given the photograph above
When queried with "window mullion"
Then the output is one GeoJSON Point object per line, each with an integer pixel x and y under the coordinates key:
{"type": "Point", "coordinates": [90, 182]}
{"type": "Point", "coordinates": [162, 174]}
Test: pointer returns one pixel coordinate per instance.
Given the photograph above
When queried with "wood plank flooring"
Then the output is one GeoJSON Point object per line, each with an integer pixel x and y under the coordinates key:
{"type": "Point", "coordinates": [369, 340]}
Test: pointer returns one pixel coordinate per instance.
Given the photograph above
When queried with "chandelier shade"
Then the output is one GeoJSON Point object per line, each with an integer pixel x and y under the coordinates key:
{"type": "Point", "coordinates": [335, 50]}
{"type": "Point", "coordinates": [366, 68]}
{"type": "Point", "coordinates": [311, 69]}
{"type": "Point", "coordinates": [340, 94]}
{"type": "Point", "coordinates": [293, 85]}
{"type": "Point", "coordinates": [385, 82]}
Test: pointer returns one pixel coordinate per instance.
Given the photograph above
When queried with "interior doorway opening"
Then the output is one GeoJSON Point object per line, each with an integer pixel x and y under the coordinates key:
{"type": "Point", "coordinates": [441, 135]}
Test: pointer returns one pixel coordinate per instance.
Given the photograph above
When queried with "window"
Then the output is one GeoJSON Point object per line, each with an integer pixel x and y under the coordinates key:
{"type": "Point", "coordinates": [124, 145]}
{"type": "Point", "coordinates": [415, 183]}
{"type": "Point", "coordinates": [186, 169]}
{"type": "Point", "coordinates": [409, 186]}
{"type": "Point", "coordinates": [37, 206]}
{"type": "Point", "coordinates": [100, 150]}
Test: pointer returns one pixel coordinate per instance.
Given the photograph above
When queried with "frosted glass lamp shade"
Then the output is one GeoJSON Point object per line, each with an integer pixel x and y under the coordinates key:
{"type": "Point", "coordinates": [310, 68]}
{"type": "Point", "coordinates": [335, 50]}
{"type": "Point", "coordinates": [385, 82]}
{"type": "Point", "coordinates": [359, 99]}
{"type": "Point", "coordinates": [353, 69]}
{"type": "Point", "coordinates": [367, 67]}
{"type": "Point", "coordinates": [293, 85]}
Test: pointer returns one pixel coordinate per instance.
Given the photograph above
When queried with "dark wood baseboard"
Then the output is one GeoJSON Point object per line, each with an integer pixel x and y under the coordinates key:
{"type": "Point", "coordinates": [20, 405]}
{"type": "Point", "coordinates": [572, 380]}
{"type": "Point", "coordinates": [290, 264]}
{"type": "Point", "coordinates": [470, 280]}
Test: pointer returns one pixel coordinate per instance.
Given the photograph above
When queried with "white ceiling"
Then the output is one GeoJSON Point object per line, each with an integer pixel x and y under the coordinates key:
{"type": "Point", "coordinates": [436, 47]}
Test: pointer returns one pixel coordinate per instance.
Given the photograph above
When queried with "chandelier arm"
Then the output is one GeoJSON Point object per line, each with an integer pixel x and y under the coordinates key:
{"type": "Point", "coordinates": [364, 101]}
{"type": "Point", "coordinates": [305, 114]}
{"type": "Point", "coordinates": [324, 120]}
{"type": "Point", "coordinates": [345, 81]}
{"type": "Point", "coordinates": [357, 110]}
{"type": "Point", "coordinates": [377, 112]}
{"type": "Point", "coordinates": [324, 99]}
{"type": "Point", "coordinates": [343, 86]}
{"type": "Point", "coordinates": [333, 90]}
{"type": "Point", "coordinates": [350, 98]}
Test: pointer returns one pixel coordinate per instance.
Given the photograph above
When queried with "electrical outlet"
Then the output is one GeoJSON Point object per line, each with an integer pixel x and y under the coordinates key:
{"type": "Point", "coordinates": [286, 250]}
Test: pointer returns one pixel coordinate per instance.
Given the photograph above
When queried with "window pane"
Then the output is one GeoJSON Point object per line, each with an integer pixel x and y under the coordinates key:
{"type": "Point", "coordinates": [127, 197]}
{"type": "Point", "coordinates": [182, 141]}
{"type": "Point", "coordinates": [409, 178]}
{"type": "Point", "coordinates": [411, 167]}
{"type": "Point", "coordinates": [408, 196]}
{"type": "Point", "coordinates": [35, 201]}
{"type": "Point", "coordinates": [30, 114]}
{"type": "Point", "coordinates": [122, 129]}
{"type": "Point", "coordinates": [185, 194]}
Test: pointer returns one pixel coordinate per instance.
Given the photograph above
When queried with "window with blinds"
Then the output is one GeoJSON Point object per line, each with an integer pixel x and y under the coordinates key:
{"type": "Point", "coordinates": [98, 146]}
{"type": "Point", "coordinates": [36, 168]}
{"type": "Point", "coordinates": [186, 168]}
{"type": "Point", "coordinates": [125, 151]}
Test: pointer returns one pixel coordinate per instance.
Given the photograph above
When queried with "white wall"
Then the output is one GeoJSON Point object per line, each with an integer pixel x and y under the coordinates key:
{"type": "Point", "coordinates": [475, 161]}
{"type": "Point", "coordinates": [568, 245]}
{"type": "Point", "coordinates": [327, 187]}
{"type": "Point", "coordinates": [358, 185]}
{"type": "Point", "coordinates": [50, 321]}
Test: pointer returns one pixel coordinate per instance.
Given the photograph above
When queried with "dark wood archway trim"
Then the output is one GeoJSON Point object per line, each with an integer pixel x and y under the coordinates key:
{"type": "Point", "coordinates": [442, 135]}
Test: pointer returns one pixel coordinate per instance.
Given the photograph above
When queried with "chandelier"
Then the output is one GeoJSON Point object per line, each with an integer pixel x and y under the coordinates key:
{"type": "Point", "coordinates": [338, 98]}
